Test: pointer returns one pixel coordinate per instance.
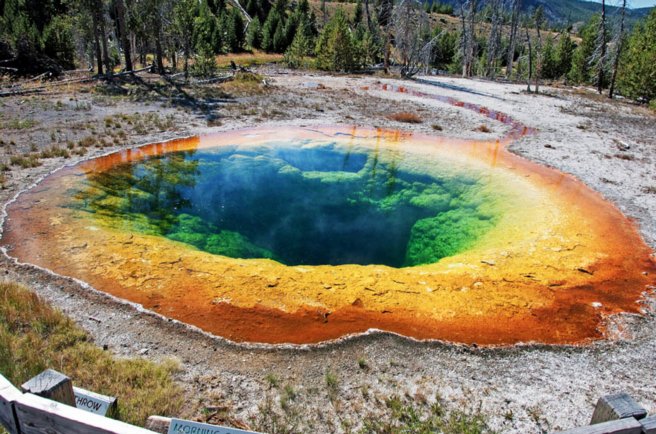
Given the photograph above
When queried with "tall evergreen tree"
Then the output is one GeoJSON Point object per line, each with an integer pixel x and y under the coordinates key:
{"type": "Point", "coordinates": [269, 29]}
{"type": "Point", "coordinates": [299, 49]}
{"type": "Point", "coordinates": [336, 49]}
{"type": "Point", "coordinates": [549, 61]}
{"type": "Point", "coordinates": [184, 14]}
{"type": "Point", "coordinates": [254, 35]}
{"type": "Point", "coordinates": [207, 34]}
{"type": "Point", "coordinates": [358, 14]}
{"type": "Point", "coordinates": [564, 54]}
{"type": "Point", "coordinates": [637, 76]}
{"type": "Point", "coordinates": [233, 26]}
{"type": "Point", "coordinates": [581, 72]}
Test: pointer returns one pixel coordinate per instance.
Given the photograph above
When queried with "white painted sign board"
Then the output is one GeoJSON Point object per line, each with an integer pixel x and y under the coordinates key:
{"type": "Point", "coordinates": [92, 402]}
{"type": "Point", "coordinates": [179, 426]}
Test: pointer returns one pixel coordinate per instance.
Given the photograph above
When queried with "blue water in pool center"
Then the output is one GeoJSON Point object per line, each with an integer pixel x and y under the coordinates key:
{"type": "Point", "coordinates": [298, 203]}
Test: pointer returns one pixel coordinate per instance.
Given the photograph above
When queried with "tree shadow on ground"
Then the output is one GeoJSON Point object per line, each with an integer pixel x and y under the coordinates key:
{"type": "Point", "coordinates": [201, 99]}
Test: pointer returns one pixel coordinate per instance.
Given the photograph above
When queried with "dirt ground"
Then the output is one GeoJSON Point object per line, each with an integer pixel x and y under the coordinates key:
{"type": "Point", "coordinates": [528, 388]}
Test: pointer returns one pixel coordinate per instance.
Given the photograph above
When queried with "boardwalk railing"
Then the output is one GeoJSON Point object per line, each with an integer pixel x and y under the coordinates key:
{"type": "Point", "coordinates": [618, 414]}
{"type": "Point", "coordinates": [25, 413]}
{"type": "Point", "coordinates": [48, 406]}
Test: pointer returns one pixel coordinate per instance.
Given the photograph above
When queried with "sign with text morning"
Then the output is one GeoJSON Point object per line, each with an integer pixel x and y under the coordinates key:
{"type": "Point", "coordinates": [179, 426]}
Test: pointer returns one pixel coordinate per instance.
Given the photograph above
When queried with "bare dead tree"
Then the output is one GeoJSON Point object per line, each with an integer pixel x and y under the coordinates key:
{"type": "Point", "coordinates": [96, 38]}
{"type": "Point", "coordinates": [463, 37]}
{"type": "Point", "coordinates": [467, 37]}
{"type": "Point", "coordinates": [100, 33]}
{"type": "Point", "coordinates": [123, 30]}
{"type": "Point", "coordinates": [411, 25]}
{"type": "Point", "coordinates": [384, 15]}
{"type": "Point", "coordinates": [495, 37]}
{"type": "Point", "coordinates": [428, 51]}
{"type": "Point", "coordinates": [514, 25]}
{"type": "Point", "coordinates": [538, 18]}
{"type": "Point", "coordinates": [530, 57]}
{"type": "Point", "coordinates": [324, 13]}
{"type": "Point", "coordinates": [619, 45]}
{"type": "Point", "coordinates": [601, 50]}
{"type": "Point", "coordinates": [366, 11]}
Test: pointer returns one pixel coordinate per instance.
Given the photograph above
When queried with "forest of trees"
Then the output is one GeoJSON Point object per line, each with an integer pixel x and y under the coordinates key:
{"type": "Point", "coordinates": [490, 38]}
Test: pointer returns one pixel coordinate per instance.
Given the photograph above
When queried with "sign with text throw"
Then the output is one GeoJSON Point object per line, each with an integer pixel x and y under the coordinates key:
{"type": "Point", "coordinates": [179, 426]}
{"type": "Point", "coordinates": [94, 402]}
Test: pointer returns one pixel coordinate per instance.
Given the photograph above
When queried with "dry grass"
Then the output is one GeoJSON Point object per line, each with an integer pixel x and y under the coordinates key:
{"type": "Point", "coordinates": [18, 124]}
{"type": "Point", "coordinates": [34, 336]}
{"type": "Point", "coordinates": [248, 59]}
{"type": "Point", "coordinates": [54, 152]}
{"type": "Point", "coordinates": [406, 117]}
{"type": "Point", "coordinates": [245, 83]}
{"type": "Point", "coordinates": [25, 161]}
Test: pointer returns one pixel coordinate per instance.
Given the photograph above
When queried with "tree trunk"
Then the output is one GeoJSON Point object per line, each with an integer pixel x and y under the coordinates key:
{"type": "Point", "coordinates": [159, 55]}
{"type": "Point", "coordinates": [388, 52]}
{"type": "Point", "coordinates": [96, 38]}
{"type": "Point", "coordinates": [100, 11]}
{"type": "Point", "coordinates": [324, 13]}
{"type": "Point", "coordinates": [463, 39]}
{"type": "Point", "coordinates": [122, 28]}
{"type": "Point", "coordinates": [514, 25]}
{"type": "Point", "coordinates": [602, 49]}
{"type": "Point", "coordinates": [471, 39]}
{"type": "Point", "coordinates": [618, 51]}
{"type": "Point", "coordinates": [538, 58]}
{"type": "Point", "coordinates": [530, 59]}
{"type": "Point", "coordinates": [495, 37]}
{"type": "Point", "coordinates": [366, 10]}
{"type": "Point", "coordinates": [186, 58]}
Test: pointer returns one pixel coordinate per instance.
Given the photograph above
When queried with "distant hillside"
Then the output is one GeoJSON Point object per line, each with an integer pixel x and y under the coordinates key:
{"type": "Point", "coordinates": [568, 11]}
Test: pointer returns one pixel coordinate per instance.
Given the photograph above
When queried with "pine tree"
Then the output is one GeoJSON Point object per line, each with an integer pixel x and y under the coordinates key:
{"type": "Point", "coordinates": [207, 34]}
{"type": "Point", "coordinates": [580, 72]}
{"type": "Point", "coordinates": [217, 7]}
{"type": "Point", "coordinates": [564, 54]}
{"type": "Point", "coordinates": [336, 50]}
{"type": "Point", "coordinates": [299, 48]}
{"type": "Point", "coordinates": [637, 76]}
{"type": "Point", "coordinates": [254, 36]}
{"type": "Point", "coordinates": [233, 26]}
{"type": "Point", "coordinates": [183, 21]}
{"type": "Point", "coordinates": [279, 39]}
{"type": "Point", "coordinates": [369, 49]}
{"type": "Point", "coordinates": [549, 61]}
{"type": "Point", "coordinates": [58, 41]}
{"type": "Point", "coordinates": [273, 21]}
{"type": "Point", "coordinates": [205, 62]}
{"type": "Point", "coordinates": [358, 14]}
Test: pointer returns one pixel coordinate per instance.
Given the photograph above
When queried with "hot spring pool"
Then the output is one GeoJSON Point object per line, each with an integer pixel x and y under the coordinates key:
{"type": "Point", "coordinates": [304, 235]}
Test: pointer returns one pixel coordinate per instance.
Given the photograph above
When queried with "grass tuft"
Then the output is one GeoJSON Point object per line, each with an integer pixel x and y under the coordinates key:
{"type": "Point", "coordinates": [407, 416]}
{"type": "Point", "coordinates": [245, 83]}
{"type": "Point", "coordinates": [31, 160]}
{"type": "Point", "coordinates": [54, 152]}
{"type": "Point", "coordinates": [406, 117]}
{"type": "Point", "coordinates": [18, 124]}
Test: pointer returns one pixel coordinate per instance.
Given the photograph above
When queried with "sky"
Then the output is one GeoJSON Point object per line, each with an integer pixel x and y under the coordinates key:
{"type": "Point", "coordinates": [632, 3]}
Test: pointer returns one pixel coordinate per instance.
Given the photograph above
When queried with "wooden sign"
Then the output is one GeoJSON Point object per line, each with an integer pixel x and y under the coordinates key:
{"type": "Point", "coordinates": [94, 402]}
{"type": "Point", "coordinates": [179, 426]}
